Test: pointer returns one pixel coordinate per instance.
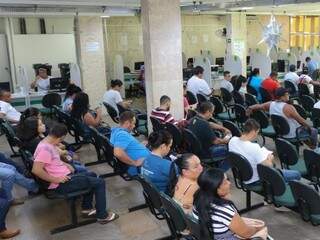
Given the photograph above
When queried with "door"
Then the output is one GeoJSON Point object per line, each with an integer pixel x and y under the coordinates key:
{"type": "Point", "coordinates": [5, 75]}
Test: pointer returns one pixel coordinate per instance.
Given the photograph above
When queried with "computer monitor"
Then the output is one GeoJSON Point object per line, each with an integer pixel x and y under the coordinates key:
{"type": "Point", "coordinates": [137, 65]}
{"type": "Point", "coordinates": [220, 61]}
{"type": "Point", "coordinates": [248, 60]}
{"type": "Point", "coordinates": [274, 67]}
{"type": "Point", "coordinates": [298, 64]}
{"type": "Point", "coordinates": [58, 83]}
{"type": "Point", "coordinates": [5, 86]}
{"type": "Point", "coordinates": [281, 66]}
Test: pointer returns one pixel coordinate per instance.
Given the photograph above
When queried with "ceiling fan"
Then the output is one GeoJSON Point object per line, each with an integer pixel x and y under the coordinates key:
{"type": "Point", "coordinates": [197, 7]}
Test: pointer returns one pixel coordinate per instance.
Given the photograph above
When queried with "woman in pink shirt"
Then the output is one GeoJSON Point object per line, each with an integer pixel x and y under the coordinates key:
{"type": "Point", "coordinates": [49, 167]}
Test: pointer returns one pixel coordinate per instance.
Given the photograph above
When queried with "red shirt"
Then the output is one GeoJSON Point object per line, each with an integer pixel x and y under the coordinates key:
{"type": "Point", "coordinates": [270, 85]}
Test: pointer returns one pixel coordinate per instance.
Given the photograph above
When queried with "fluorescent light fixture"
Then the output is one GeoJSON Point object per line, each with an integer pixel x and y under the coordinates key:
{"type": "Point", "coordinates": [246, 8]}
{"type": "Point", "coordinates": [105, 16]}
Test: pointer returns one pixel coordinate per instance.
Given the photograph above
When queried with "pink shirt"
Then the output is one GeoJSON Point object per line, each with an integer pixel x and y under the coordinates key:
{"type": "Point", "coordinates": [48, 154]}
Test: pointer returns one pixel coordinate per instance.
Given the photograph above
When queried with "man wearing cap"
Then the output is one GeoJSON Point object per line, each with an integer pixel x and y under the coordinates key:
{"type": "Point", "coordinates": [281, 107]}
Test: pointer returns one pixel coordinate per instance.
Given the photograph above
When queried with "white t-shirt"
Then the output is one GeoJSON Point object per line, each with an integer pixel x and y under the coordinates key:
{"type": "Point", "coordinates": [317, 105]}
{"type": "Point", "coordinates": [43, 84]}
{"type": "Point", "coordinates": [292, 77]}
{"type": "Point", "coordinates": [11, 114]}
{"type": "Point", "coordinates": [112, 97]}
{"type": "Point", "coordinates": [197, 85]}
{"type": "Point", "coordinates": [306, 79]}
{"type": "Point", "coordinates": [227, 85]}
{"type": "Point", "coordinates": [252, 152]}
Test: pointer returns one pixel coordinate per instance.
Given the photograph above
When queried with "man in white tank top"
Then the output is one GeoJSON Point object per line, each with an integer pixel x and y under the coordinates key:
{"type": "Point", "coordinates": [281, 107]}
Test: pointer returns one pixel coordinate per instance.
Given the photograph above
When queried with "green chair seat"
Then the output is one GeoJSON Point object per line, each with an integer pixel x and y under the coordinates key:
{"type": "Point", "coordinates": [268, 131]}
{"type": "Point", "coordinates": [300, 166]}
{"type": "Point", "coordinates": [254, 188]}
{"type": "Point", "coordinates": [286, 199]}
{"type": "Point", "coordinates": [225, 116]}
{"type": "Point", "coordinates": [45, 111]}
{"type": "Point", "coordinates": [315, 218]}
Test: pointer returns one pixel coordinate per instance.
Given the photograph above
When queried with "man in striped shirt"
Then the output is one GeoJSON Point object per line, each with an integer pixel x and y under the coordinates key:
{"type": "Point", "coordinates": [163, 112]}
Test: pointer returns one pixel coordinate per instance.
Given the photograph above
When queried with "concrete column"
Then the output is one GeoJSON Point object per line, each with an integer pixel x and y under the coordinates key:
{"type": "Point", "coordinates": [237, 38]}
{"type": "Point", "coordinates": [161, 26]}
{"type": "Point", "coordinates": [91, 55]}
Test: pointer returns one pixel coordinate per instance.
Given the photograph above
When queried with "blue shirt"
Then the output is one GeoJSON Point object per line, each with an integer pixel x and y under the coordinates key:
{"type": "Point", "coordinates": [121, 138]}
{"type": "Point", "coordinates": [157, 171]}
{"type": "Point", "coordinates": [312, 66]}
{"type": "Point", "coordinates": [256, 84]}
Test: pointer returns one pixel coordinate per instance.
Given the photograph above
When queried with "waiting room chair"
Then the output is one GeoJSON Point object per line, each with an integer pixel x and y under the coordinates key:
{"type": "Point", "coordinates": [176, 135]}
{"type": "Point", "coordinates": [292, 89]}
{"type": "Point", "coordinates": [227, 97]}
{"type": "Point", "coordinates": [12, 139]}
{"type": "Point", "coordinates": [250, 99]}
{"type": "Point", "coordinates": [112, 112]}
{"type": "Point", "coordinates": [252, 91]}
{"type": "Point", "coordinates": [307, 103]}
{"type": "Point", "coordinates": [266, 128]}
{"type": "Point", "coordinates": [238, 98]}
{"type": "Point", "coordinates": [265, 95]}
{"type": "Point", "coordinates": [121, 109]}
{"type": "Point", "coordinates": [70, 197]}
{"type": "Point", "coordinates": [240, 113]}
{"type": "Point", "coordinates": [242, 171]}
{"type": "Point", "coordinates": [289, 157]}
{"type": "Point", "coordinates": [303, 89]}
{"type": "Point", "coordinates": [308, 200]}
{"type": "Point", "coordinates": [316, 91]}
{"type": "Point", "coordinates": [194, 228]}
{"type": "Point", "coordinates": [49, 101]}
{"type": "Point", "coordinates": [156, 124]}
{"type": "Point", "coordinates": [220, 111]}
{"type": "Point", "coordinates": [315, 117]}
{"type": "Point", "coordinates": [191, 98]}
{"type": "Point", "coordinates": [234, 129]}
{"type": "Point", "coordinates": [201, 98]}
{"type": "Point", "coordinates": [275, 189]}
{"type": "Point", "coordinates": [312, 161]}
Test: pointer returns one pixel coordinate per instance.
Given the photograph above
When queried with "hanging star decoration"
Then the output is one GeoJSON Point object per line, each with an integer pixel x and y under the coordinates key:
{"type": "Point", "coordinates": [271, 34]}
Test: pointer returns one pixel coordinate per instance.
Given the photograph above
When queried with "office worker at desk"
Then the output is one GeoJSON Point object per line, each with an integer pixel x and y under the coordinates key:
{"type": "Point", "coordinates": [42, 81]}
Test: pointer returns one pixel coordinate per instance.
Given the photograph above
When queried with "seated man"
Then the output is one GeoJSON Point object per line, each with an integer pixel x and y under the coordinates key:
{"type": "Point", "coordinates": [4, 208]}
{"type": "Point", "coordinates": [126, 147]}
{"type": "Point", "coordinates": [113, 97]}
{"type": "Point", "coordinates": [197, 85]}
{"type": "Point", "coordinates": [254, 153]}
{"type": "Point", "coordinates": [212, 146]}
{"type": "Point", "coordinates": [163, 112]}
{"type": "Point", "coordinates": [271, 83]}
{"type": "Point", "coordinates": [297, 124]}
{"type": "Point", "coordinates": [225, 83]}
{"type": "Point", "coordinates": [292, 76]}
{"type": "Point", "coordinates": [49, 167]}
{"type": "Point", "coordinates": [308, 81]}
{"type": "Point", "coordinates": [6, 110]}
{"type": "Point", "coordinates": [10, 176]}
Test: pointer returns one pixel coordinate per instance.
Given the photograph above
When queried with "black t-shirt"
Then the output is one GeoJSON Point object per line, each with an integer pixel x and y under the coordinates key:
{"type": "Point", "coordinates": [201, 128]}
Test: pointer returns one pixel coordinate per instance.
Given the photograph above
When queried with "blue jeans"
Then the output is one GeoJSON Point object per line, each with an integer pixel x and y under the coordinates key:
{"type": "Point", "coordinates": [98, 190]}
{"type": "Point", "coordinates": [4, 208]}
{"type": "Point", "coordinates": [80, 168]}
{"type": "Point", "coordinates": [220, 151]}
{"type": "Point", "coordinates": [312, 134]}
{"type": "Point", "coordinates": [9, 176]}
{"type": "Point", "coordinates": [290, 175]}
{"type": "Point", "coordinates": [6, 160]}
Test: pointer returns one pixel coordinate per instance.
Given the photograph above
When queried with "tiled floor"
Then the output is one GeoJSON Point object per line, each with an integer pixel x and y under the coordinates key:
{"type": "Point", "coordinates": [38, 215]}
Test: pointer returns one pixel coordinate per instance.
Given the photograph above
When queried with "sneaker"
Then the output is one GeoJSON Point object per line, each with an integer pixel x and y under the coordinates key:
{"type": "Point", "coordinates": [89, 212]}
{"type": "Point", "coordinates": [5, 234]}
{"type": "Point", "coordinates": [111, 217]}
{"type": "Point", "coordinates": [16, 201]}
{"type": "Point", "coordinates": [282, 209]}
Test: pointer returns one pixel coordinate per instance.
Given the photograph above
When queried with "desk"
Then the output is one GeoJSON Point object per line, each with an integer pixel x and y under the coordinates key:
{"type": "Point", "coordinates": [20, 102]}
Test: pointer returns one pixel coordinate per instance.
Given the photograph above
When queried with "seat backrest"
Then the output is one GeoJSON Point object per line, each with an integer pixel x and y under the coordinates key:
{"type": "Point", "coordinates": [307, 102]}
{"type": "Point", "coordinates": [303, 89]}
{"type": "Point", "coordinates": [174, 212]}
{"type": "Point", "coordinates": [151, 193]}
{"type": "Point", "coordinates": [306, 197]}
{"type": "Point", "coordinates": [287, 152]}
{"type": "Point", "coordinates": [261, 117]}
{"type": "Point", "coordinates": [265, 95]}
{"type": "Point", "coordinates": [251, 90]}
{"type": "Point", "coordinates": [235, 131]}
{"type": "Point", "coordinates": [175, 132]}
{"type": "Point", "coordinates": [51, 99]}
{"type": "Point", "coordinates": [226, 95]}
{"type": "Point", "coordinates": [238, 98]}
{"type": "Point", "coordinates": [290, 86]}
{"type": "Point", "coordinates": [250, 99]}
{"type": "Point", "coordinates": [316, 91]}
{"type": "Point", "coordinates": [316, 117]}
{"type": "Point", "coordinates": [121, 109]}
{"type": "Point", "coordinates": [271, 180]}
{"type": "Point", "coordinates": [191, 98]}
{"type": "Point", "coordinates": [8, 130]}
{"type": "Point", "coordinates": [112, 112]}
{"type": "Point", "coordinates": [300, 109]}
{"type": "Point", "coordinates": [156, 124]}
{"type": "Point", "coordinates": [312, 160]}
{"type": "Point", "coordinates": [241, 166]}
{"type": "Point", "coordinates": [195, 229]}
{"type": "Point", "coordinates": [193, 143]}
{"type": "Point", "coordinates": [218, 105]}
{"type": "Point", "coordinates": [191, 113]}
{"type": "Point", "coordinates": [240, 113]}
{"type": "Point", "coordinates": [126, 69]}
{"type": "Point", "coordinates": [280, 125]}
{"type": "Point", "coordinates": [201, 98]}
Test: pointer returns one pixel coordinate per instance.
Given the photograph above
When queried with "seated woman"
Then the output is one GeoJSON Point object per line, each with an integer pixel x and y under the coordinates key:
{"type": "Point", "coordinates": [155, 168]}
{"type": "Point", "coordinates": [80, 110]}
{"type": "Point", "coordinates": [31, 133]}
{"type": "Point", "coordinates": [217, 214]}
{"type": "Point", "coordinates": [189, 167]}
{"type": "Point", "coordinates": [255, 81]}
{"type": "Point", "coordinates": [71, 92]}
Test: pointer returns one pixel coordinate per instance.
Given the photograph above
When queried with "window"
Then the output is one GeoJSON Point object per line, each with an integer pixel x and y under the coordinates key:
{"type": "Point", "coordinates": [304, 32]}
